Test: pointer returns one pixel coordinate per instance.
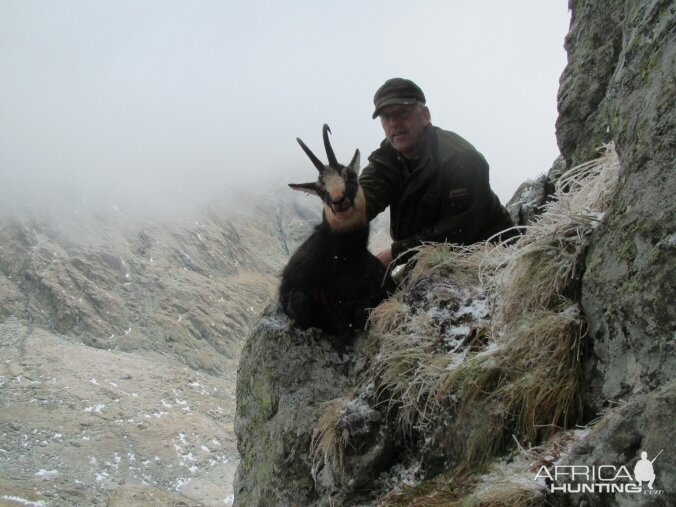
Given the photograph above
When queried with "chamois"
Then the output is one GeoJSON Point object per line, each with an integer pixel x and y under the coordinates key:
{"type": "Point", "coordinates": [332, 279]}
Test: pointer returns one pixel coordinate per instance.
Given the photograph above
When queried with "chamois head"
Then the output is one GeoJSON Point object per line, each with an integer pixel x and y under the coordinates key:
{"type": "Point", "coordinates": [337, 186]}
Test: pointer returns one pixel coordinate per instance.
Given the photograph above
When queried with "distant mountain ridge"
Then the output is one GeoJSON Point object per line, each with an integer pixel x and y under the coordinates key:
{"type": "Point", "coordinates": [188, 287]}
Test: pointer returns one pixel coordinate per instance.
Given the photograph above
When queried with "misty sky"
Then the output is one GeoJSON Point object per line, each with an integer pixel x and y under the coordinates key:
{"type": "Point", "coordinates": [168, 101]}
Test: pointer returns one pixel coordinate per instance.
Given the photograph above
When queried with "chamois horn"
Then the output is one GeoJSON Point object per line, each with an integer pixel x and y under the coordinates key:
{"type": "Point", "coordinates": [327, 145]}
{"type": "Point", "coordinates": [318, 164]}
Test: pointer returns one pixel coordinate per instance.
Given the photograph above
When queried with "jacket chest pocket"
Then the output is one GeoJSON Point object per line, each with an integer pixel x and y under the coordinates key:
{"type": "Point", "coordinates": [456, 200]}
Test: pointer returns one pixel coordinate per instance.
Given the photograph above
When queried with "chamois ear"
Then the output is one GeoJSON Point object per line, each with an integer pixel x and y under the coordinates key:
{"type": "Point", "coordinates": [354, 164]}
{"type": "Point", "coordinates": [308, 188]}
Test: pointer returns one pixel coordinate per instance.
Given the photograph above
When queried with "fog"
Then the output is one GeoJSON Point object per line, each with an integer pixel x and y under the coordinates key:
{"type": "Point", "coordinates": [165, 104]}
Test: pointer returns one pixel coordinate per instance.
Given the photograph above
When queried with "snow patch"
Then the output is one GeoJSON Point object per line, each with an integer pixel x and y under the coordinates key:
{"type": "Point", "coordinates": [46, 473]}
{"type": "Point", "coordinates": [180, 482]}
{"type": "Point", "coordinates": [23, 501]}
{"type": "Point", "coordinates": [398, 476]}
{"type": "Point", "coordinates": [184, 405]}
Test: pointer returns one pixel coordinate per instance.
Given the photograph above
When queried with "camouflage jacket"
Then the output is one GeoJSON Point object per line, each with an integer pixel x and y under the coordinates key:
{"type": "Point", "coordinates": [442, 195]}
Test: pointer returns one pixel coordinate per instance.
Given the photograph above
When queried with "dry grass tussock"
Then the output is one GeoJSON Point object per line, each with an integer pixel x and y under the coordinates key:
{"type": "Point", "coordinates": [544, 266]}
{"type": "Point", "coordinates": [411, 347]}
{"type": "Point", "coordinates": [403, 341]}
{"type": "Point", "coordinates": [327, 444]}
{"type": "Point", "coordinates": [530, 365]}
{"type": "Point", "coordinates": [445, 257]}
{"type": "Point", "coordinates": [533, 375]}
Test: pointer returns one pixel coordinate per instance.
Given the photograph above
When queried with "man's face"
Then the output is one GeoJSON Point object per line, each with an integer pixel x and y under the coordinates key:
{"type": "Point", "coordinates": [404, 127]}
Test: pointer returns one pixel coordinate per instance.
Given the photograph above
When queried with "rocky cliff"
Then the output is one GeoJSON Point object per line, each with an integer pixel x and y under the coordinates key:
{"type": "Point", "coordinates": [492, 367]}
{"type": "Point", "coordinates": [626, 55]}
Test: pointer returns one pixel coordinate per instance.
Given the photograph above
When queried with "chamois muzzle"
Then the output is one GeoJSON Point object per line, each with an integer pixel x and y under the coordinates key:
{"type": "Point", "coordinates": [343, 204]}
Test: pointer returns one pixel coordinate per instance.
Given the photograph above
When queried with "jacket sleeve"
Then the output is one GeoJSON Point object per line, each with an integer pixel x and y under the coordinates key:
{"type": "Point", "coordinates": [379, 186]}
{"type": "Point", "coordinates": [466, 201]}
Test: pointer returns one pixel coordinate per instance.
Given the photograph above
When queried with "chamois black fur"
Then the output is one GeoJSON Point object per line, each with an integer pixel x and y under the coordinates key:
{"type": "Point", "coordinates": [332, 280]}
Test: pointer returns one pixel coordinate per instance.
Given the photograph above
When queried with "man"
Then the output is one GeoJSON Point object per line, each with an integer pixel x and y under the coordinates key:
{"type": "Point", "coordinates": [434, 181]}
{"type": "Point", "coordinates": [644, 471]}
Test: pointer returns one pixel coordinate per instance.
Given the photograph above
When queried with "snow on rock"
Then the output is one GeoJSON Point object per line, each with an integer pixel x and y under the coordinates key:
{"type": "Point", "coordinates": [23, 501]}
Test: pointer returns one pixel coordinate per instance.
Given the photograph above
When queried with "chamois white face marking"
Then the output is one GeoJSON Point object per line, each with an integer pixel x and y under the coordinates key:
{"type": "Point", "coordinates": [338, 187]}
{"type": "Point", "coordinates": [345, 206]}
{"type": "Point", "coordinates": [334, 186]}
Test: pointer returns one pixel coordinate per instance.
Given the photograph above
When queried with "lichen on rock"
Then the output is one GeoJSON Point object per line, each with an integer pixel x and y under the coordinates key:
{"type": "Point", "coordinates": [286, 379]}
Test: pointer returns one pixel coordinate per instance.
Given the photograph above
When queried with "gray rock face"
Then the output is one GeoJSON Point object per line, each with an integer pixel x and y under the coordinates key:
{"type": "Point", "coordinates": [278, 384]}
{"type": "Point", "coordinates": [644, 423]}
{"type": "Point", "coordinates": [628, 285]}
{"type": "Point", "coordinates": [285, 380]}
{"type": "Point", "coordinates": [625, 55]}
{"type": "Point", "coordinates": [530, 198]}
{"type": "Point", "coordinates": [593, 43]}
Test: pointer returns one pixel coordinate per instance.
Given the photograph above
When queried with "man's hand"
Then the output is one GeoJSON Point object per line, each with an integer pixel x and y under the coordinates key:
{"type": "Point", "coordinates": [385, 256]}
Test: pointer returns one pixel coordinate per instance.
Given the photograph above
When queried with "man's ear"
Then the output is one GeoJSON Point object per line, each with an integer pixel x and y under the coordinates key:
{"type": "Point", "coordinates": [308, 188]}
{"type": "Point", "coordinates": [427, 116]}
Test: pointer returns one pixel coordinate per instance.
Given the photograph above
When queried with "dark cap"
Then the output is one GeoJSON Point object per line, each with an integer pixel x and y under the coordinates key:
{"type": "Point", "coordinates": [397, 91]}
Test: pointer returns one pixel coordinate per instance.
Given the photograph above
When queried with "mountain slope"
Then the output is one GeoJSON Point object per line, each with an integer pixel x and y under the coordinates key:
{"type": "Point", "coordinates": [120, 336]}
